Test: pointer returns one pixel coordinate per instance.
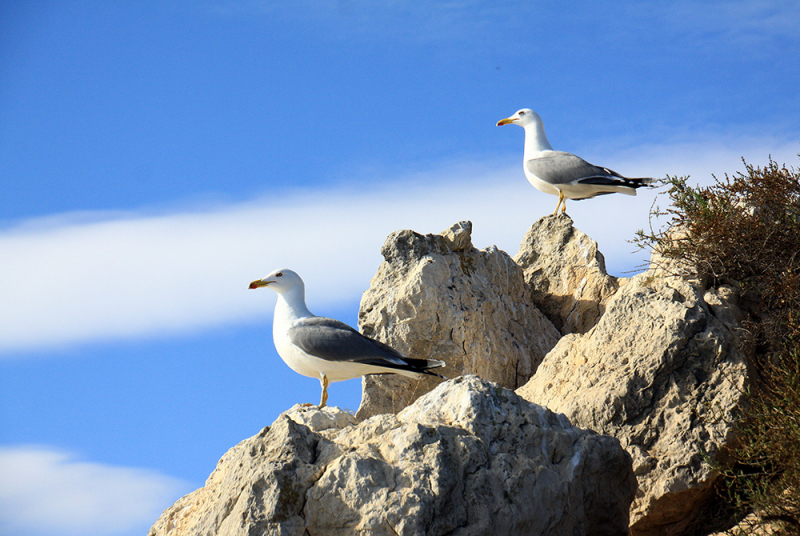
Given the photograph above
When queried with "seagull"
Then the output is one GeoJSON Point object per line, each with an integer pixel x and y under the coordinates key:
{"type": "Point", "coordinates": [325, 348]}
{"type": "Point", "coordinates": [564, 174]}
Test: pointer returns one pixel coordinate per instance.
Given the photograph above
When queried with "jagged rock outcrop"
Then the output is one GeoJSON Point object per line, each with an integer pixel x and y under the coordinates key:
{"type": "Point", "coordinates": [566, 273]}
{"type": "Point", "coordinates": [661, 372]}
{"type": "Point", "coordinates": [650, 361]}
{"type": "Point", "coordinates": [469, 458]}
{"type": "Point", "coordinates": [438, 297]}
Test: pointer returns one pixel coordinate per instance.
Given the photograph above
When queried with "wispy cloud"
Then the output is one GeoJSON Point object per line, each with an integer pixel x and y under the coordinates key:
{"type": "Point", "coordinates": [132, 275]}
{"type": "Point", "coordinates": [45, 491]}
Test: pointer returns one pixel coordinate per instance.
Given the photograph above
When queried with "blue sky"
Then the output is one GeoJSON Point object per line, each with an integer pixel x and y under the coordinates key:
{"type": "Point", "coordinates": [156, 157]}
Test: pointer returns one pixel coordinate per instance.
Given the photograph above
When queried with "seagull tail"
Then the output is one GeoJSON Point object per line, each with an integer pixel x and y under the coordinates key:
{"type": "Point", "coordinates": [429, 373]}
{"type": "Point", "coordinates": [642, 181]}
{"type": "Point", "coordinates": [616, 184]}
{"type": "Point", "coordinates": [424, 366]}
{"type": "Point", "coordinates": [433, 363]}
{"type": "Point", "coordinates": [619, 182]}
{"type": "Point", "coordinates": [631, 185]}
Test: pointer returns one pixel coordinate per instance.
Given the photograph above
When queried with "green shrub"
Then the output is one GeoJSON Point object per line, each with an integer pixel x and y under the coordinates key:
{"type": "Point", "coordinates": [745, 230]}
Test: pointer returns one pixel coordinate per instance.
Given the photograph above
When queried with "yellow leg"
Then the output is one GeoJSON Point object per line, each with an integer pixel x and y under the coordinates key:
{"type": "Point", "coordinates": [564, 207]}
{"type": "Point", "coordinates": [560, 199]}
{"type": "Point", "coordinates": [324, 399]}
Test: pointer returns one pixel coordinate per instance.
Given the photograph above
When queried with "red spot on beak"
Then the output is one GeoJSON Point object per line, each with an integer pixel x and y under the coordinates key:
{"type": "Point", "coordinates": [253, 285]}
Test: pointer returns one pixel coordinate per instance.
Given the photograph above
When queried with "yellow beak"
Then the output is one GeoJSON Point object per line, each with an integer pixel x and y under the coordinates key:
{"type": "Point", "coordinates": [506, 121]}
{"type": "Point", "coordinates": [259, 283]}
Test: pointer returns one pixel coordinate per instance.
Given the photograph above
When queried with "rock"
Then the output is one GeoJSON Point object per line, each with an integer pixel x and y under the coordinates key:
{"type": "Point", "coordinates": [661, 372]}
{"type": "Point", "coordinates": [469, 458]}
{"type": "Point", "coordinates": [754, 525]}
{"type": "Point", "coordinates": [257, 486]}
{"type": "Point", "coordinates": [566, 273]}
{"type": "Point", "coordinates": [723, 301]}
{"type": "Point", "coordinates": [438, 297]}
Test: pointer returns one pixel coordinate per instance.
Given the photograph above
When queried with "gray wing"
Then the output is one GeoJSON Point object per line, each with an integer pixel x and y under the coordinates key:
{"type": "Point", "coordinates": [332, 340]}
{"type": "Point", "coordinates": [558, 167]}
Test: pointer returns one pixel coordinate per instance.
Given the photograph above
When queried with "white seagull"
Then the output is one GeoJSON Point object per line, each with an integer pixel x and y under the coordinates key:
{"type": "Point", "coordinates": [325, 348]}
{"type": "Point", "coordinates": [564, 174]}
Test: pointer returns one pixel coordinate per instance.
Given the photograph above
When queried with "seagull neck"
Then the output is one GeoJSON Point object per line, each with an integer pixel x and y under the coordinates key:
{"type": "Point", "coordinates": [292, 305]}
{"type": "Point", "coordinates": [535, 140]}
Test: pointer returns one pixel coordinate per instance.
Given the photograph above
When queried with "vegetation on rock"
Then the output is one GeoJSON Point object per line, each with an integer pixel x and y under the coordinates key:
{"type": "Point", "coordinates": [745, 231]}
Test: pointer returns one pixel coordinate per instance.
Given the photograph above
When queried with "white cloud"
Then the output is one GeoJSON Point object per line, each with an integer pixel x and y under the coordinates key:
{"type": "Point", "coordinates": [67, 281]}
{"type": "Point", "coordinates": [47, 491]}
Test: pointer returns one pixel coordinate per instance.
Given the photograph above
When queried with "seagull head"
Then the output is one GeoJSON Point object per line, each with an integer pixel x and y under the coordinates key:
{"type": "Point", "coordinates": [280, 281]}
{"type": "Point", "coordinates": [524, 117]}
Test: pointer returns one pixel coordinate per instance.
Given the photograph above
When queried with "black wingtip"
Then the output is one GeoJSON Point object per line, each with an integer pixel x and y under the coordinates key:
{"type": "Point", "coordinates": [429, 373]}
{"type": "Point", "coordinates": [643, 181]}
{"type": "Point", "coordinates": [432, 364]}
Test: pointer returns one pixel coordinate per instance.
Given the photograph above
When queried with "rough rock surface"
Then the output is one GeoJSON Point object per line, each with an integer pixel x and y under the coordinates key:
{"type": "Point", "coordinates": [566, 273]}
{"type": "Point", "coordinates": [659, 371]}
{"type": "Point", "coordinates": [437, 296]}
{"type": "Point", "coordinates": [469, 458]}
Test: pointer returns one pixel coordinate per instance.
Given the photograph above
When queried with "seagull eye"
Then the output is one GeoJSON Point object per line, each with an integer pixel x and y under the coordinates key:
{"type": "Point", "coordinates": [522, 113]}
{"type": "Point", "coordinates": [279, 274]}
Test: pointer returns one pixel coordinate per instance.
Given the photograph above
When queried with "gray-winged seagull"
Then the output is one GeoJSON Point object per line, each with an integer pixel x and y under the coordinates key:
{"type": "Point", "coordinates": [325, 348]}
{"type": "Point", "coordinates": [564, 174]}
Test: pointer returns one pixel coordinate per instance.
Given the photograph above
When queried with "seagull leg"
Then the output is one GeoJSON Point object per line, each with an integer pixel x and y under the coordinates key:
{"type": "Point", "coordinates": [560, 199]}
{"type": "Point", "coordinates": [324, 399]}
{"type": "Point", "coordinates": [564, 207]}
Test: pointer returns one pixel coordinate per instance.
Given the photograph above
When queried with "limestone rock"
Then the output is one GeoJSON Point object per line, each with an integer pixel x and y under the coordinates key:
{"type": "Point", "coordinates": [661, 372]}
{"type": "Point", "coordinates": [257, 486]}
{"type": "Point", "coordinates": [469, 458]}
{"type": "Point", "coordinates": [437, 296]}
{"type": "Point", "coordinates": [566, 272]}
